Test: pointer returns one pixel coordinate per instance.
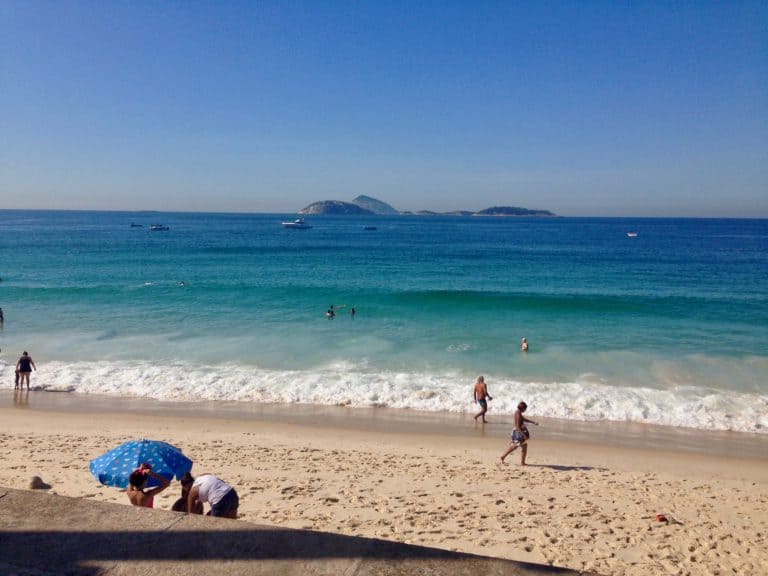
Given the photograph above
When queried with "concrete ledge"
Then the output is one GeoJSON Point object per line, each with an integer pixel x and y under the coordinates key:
{"type": "Point", "coordinates": [43, 534]}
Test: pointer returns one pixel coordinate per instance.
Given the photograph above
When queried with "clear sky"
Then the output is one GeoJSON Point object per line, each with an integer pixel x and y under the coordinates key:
{"type": "Point", "coordinates": [582, 107]}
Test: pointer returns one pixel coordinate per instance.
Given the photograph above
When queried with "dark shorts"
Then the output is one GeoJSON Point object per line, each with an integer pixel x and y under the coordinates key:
{"type": "Point", "coordinates": [483, 404]}
{"type": "Point", "coordinates": [519, 438]}
{"type": "Point", "coordinates": [231, 501]}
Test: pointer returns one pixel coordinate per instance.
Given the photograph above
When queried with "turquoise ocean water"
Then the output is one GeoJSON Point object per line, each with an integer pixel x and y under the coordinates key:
{"type": "Point", "coordinates": [668, 327]}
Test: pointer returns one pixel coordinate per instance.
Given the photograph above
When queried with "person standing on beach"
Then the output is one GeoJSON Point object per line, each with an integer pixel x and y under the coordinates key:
{"type": "Point", "coordinates": [481, 397]}
{"type": "Point", "coordinates": [520, 434]}
{"type": "Point", "coordinates": [25, 366]}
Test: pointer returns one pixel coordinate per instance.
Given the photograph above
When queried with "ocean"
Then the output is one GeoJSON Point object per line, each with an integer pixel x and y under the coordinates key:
{"type": "Point", "coordinates": [668, 327]}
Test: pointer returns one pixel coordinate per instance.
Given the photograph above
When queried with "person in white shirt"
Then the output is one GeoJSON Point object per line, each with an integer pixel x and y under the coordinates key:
{"type": "Point", "coordinates": [222, 498]}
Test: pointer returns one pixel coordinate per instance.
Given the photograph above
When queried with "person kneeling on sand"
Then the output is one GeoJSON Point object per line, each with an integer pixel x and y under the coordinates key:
{"type": "Point", "coordinates": [137, 484]}
{"type": "Point", "coordinates": [181, 504]}
{"type": "Point", "coordinates": [221, 496]}
{"type": "Point", "coordinates": [520, 434]}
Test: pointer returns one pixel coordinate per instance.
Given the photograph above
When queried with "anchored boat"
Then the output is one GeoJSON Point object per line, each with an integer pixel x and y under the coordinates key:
{"type": "Point", "coordinates": [298, 223]}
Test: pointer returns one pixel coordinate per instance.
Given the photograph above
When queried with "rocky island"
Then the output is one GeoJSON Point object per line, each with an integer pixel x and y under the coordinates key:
{"type": "Point", "coordinates": [334, 207]}
{"type": "Point", "coordinates": [375, 206]}
{"type": "Point", "coordinates": [365, 205]}
{"type": "Point", "coordinates": [512, 211]}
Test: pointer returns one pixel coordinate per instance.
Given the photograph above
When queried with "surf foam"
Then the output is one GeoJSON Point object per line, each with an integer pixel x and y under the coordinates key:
{"type": "Point", "coordinates": [343, 383]}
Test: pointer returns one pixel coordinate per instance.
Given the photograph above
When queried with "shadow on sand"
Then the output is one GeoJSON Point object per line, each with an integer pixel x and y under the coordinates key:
{"type": "Point", "coordinates": [212, 552]}
{"type": "Point", "coordinates": [559, 468]}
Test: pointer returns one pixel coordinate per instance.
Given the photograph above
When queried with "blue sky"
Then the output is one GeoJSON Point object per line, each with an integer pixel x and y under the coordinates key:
{"type": "Point", "coordinates": [582, 108]}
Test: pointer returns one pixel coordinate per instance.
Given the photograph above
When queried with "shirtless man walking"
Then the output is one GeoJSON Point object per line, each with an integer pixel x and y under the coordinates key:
{"type": "Point", "coordinates": [481, 397]}
{"type": "Point", "coordinates": [520, 434]}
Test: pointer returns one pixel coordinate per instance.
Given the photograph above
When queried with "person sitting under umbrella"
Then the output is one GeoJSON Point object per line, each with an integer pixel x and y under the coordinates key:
{"type": "Point", "coordinates": [137, 491]}
{"type": "Point", "coordinates": [221, 496]}
{"type": "Point", "coordinates": [181, 504]}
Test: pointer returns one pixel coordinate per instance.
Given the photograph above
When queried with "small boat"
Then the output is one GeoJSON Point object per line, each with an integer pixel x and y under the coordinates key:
{"type": "Point", "coordinates": [632, 234]}
{"type": "Point", "coordinates": [159, 228]}
{"type": "Point", "coordinates": [134, 225]}
{"type": "Point", "coordinates": [298, 223]}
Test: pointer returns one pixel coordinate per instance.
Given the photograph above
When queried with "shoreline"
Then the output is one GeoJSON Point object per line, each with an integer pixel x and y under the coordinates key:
{"type": "Point", "coordinates": [428, 479]}
{"type": "Point", "coordinates": [589, 402]}
{"type": "Point", "coordinates": [628, 435]}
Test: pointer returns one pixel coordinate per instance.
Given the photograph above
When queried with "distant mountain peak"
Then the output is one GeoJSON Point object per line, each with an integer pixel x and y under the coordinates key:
{"type": "Point", "coordinates": [374, 205]}
{"type": "Point", "coordinates": [334, 207]}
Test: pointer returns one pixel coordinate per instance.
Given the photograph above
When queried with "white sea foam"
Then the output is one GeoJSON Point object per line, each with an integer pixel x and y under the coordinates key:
{"type": "Point", "coordinates": [344, 383]}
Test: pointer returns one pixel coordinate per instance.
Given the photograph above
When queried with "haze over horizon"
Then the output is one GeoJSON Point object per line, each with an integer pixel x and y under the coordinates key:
{"type": "Point", "coordinates": [581, 109]}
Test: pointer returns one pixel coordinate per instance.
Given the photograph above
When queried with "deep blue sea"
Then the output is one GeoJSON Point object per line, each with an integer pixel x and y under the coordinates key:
{"type": "Point", "coordinates": [668, 327]}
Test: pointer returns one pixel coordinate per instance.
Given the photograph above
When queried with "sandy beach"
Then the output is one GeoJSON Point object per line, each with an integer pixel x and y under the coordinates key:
{"type": "Point", "coordinates": [588, 500]}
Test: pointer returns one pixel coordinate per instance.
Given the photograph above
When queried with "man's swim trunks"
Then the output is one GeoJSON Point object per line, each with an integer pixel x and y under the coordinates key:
{"type": "Point", "coordinates": [518, 437]}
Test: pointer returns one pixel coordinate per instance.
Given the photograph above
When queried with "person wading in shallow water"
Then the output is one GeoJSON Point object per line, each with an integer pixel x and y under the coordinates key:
{"type": "Point", "coordinates": [481, 397]}
{"type": "Point", "coordinates": [24, 366]}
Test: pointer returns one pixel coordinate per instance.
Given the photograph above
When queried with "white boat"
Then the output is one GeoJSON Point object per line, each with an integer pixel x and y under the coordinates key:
{"type": "Point", "coordinates": [632, 234]}
{"type": "Point", "coordinates": [159, 228]}
{"type": "Point", "coordinates": [298, 223]}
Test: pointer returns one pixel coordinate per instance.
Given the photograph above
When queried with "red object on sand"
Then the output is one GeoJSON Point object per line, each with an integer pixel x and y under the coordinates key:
{"type": "Point", "coordinates": [661, 518]}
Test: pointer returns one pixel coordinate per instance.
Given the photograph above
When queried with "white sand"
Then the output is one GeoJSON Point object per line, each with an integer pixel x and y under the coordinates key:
{"type": "Point", "coordinates": [586, 506]}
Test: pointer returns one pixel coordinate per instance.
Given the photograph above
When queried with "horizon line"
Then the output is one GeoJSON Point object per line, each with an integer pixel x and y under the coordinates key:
{"type": "Point", "coordinates": [404, 214]}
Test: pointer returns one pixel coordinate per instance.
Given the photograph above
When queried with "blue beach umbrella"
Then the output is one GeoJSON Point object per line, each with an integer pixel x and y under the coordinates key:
{"type": "Point", "coordinates": [114, 467]}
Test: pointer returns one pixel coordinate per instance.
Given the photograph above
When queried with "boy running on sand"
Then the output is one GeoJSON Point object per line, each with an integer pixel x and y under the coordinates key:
{"type": "Point", "coordinates": [520, 434]}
